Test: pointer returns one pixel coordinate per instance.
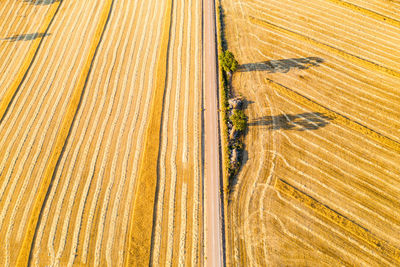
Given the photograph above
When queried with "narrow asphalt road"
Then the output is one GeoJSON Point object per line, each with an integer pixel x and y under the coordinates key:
{"type": "Point", "coordinates": [212, 160]}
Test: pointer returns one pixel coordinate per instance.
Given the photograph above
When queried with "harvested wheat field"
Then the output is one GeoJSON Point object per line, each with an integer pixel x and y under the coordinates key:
{"type": "Point", "coordinates": [100, 133]}
{"type": "Point", "coordinates": [321, 176]}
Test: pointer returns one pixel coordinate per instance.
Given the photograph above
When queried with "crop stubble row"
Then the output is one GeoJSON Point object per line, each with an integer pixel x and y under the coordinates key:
{"type": "Point", "coordinates": [364, 173]}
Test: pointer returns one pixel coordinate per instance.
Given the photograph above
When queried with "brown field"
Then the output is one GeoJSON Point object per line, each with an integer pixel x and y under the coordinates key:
{"type": "Point", "coordinates": [110, 83]}
{"type": "Point", "coordinates": [321, 174]}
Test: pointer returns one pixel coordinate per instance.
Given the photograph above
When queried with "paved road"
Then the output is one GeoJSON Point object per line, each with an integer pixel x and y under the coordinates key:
{"type": "Point", "coordinates": [212, 161]}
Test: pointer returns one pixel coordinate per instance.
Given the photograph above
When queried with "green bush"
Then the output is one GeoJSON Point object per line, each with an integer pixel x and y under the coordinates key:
{"type": "Point", "coordinates": [239, 120]}
{"type": "Point", "coordinates": [228, 62]}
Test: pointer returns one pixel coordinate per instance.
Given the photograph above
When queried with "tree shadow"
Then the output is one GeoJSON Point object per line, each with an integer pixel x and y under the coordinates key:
{"type": "Point", "coordinates": [41, 2]}
{"type": "Point", "coordinates": [299, 122]}
{"type": "Point", "coordinates": [282, 65]}
{"type": "Point", "coordinates": [25, 37]}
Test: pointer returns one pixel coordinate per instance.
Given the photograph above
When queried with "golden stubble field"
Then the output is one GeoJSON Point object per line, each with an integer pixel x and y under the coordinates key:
{"type": "Point", "coordinates": [321, 175]}
{"type": "Point", "coordinates": [100, 133]}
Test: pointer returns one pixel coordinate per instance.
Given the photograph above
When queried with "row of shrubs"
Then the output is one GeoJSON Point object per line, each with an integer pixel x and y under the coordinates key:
{"type": "Point", "coordinates": [234, 117]}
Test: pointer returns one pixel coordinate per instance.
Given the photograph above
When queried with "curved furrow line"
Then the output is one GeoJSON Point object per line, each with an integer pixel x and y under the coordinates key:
{"type": "Point", "coordinates": [346, 36]}
{"type": "Point", "coordinates": [196, 136]}
{"type": "Point", "coordinates": [307, 214]}
{"type": "Point", "coordinates": [21, 145]}
{"type": "Point", "coordinates": [248, 197]}
{"type": "Point", "coordinates": [164, 142]}
{"type": "Point", "coordinates": [187, 85]}
{"type": "Point", "coordinates": [332, 166]}
{"type": "Point", "coordinates": [235, 206]}
{"type": "Point", "coordinates": [112, 228]}
{"type": "Point", "coordinates": [182, 234]}
{"type": "Point", "coordinates": [174, 147]}
{"type": "Point", "coordinates": [104, 208]}
{"type": "Point", "coordinates": [295, 237]}
{"type": "Point", "coordinates": [27, 111]}
{"type": "Point", "coordinates": [338, 81]}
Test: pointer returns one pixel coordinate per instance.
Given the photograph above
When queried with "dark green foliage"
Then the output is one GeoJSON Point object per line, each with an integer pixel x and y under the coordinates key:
{"type": "Point", "coordinates": [228, 62]}
{"type": "Point", "coordinates": [239, 120]}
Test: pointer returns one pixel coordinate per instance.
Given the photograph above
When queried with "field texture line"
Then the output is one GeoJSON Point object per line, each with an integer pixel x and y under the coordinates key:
{"type": "Point", "coordinates": [340, 119]}
{"type": "Point", "coordinates": [339, 219]}
{"type": "Point", "coordinates": [140, 233]}
{"type": "Point", "coordinates": [352, 58]}
{"type": "Point", "coordinates": [9, 94]}
{"type": "Point", "coordinates": [367, 12]}
{"type": "Point", "coordinates": [23, 257]}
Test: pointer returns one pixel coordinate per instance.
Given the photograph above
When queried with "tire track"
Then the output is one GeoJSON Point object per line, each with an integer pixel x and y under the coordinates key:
{"type": "Point", "coordinates": [339, 219]}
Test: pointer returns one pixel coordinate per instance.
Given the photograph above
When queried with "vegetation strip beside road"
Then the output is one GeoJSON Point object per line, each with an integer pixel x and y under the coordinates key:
{"type": "Point", "coordinates": [337, 118]}
{"type": "Point", "coordinates": [30, 56]}
{"type": "Point", "coordinates": [350, 57]}
{"type": "Point", "coordinates": [338, 219]}
{"type": "Point", "coordinates": [367, 12]}
{"type": "Point", "coordinates": [139, 245]}
{"type": "Point", "coordinates": [23, 256]}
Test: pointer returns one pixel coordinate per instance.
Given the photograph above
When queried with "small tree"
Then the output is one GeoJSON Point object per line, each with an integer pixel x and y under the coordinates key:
{"type": "Point", "coordinates": [239, 120]}
{"type": "Point", "coordinates": [228, 62]}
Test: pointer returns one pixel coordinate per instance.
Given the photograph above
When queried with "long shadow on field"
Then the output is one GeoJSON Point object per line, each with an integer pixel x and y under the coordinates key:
{"type": "Point", "coordinates": [41, 2]}
{"type": "Point", "coordinates": [25, 37]}
{"type": "Point", "coordinates": [299, 122]}
{"type": "Point", "coordinates": [282, 65]}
